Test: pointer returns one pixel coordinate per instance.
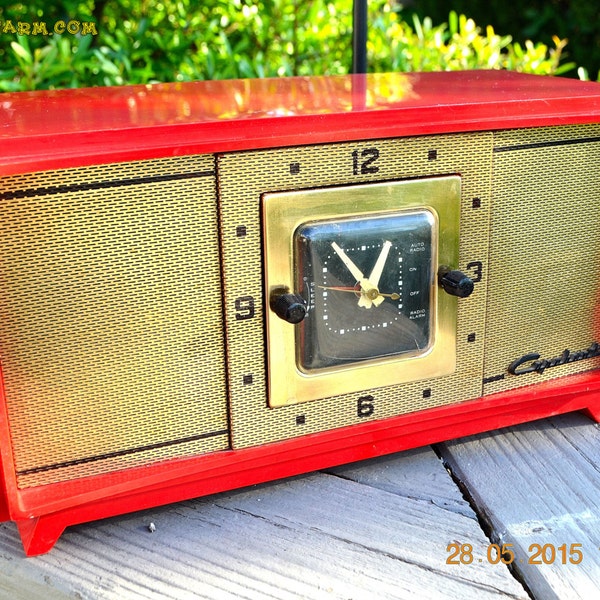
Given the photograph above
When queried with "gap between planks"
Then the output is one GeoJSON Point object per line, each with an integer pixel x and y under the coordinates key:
{"type": "Point", "coordinates": [537, 486]}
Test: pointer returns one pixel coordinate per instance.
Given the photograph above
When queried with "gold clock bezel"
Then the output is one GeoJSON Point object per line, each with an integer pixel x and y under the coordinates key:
{"type": "Point", "coordinates": [284, 212]}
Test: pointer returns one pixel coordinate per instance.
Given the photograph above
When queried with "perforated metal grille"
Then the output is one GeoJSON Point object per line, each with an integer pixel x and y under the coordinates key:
{"type": "Point", "coordinates": [544, 295]}
{"type": "Point", "coordinates": [243, 177]}
{"type": "Point", "coordinates": [111, 331]}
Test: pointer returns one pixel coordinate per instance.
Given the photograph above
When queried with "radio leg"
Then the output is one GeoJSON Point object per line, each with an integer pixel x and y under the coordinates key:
{"type": "Point", "coordinates": [593, 411]}
{"type": "Point", "coordinates": [39, 534]}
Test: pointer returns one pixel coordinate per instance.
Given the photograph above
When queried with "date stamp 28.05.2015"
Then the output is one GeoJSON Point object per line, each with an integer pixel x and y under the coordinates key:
{"type": "Point", "coordinates": [537, 554]}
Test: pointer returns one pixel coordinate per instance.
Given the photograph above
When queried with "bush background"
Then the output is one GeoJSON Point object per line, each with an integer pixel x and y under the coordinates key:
{"type": "Point", "coordinates": [144, 41]}
{"type": "Point", "coordinates": [578, 21]}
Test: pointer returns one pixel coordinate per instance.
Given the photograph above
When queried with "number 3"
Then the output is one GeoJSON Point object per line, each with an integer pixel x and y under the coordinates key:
{"type": "Point", "coordinates": [477, 268]}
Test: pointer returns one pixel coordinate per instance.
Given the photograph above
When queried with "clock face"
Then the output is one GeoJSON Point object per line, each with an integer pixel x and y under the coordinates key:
{"type": "Point", "coordinates": [368, 285]}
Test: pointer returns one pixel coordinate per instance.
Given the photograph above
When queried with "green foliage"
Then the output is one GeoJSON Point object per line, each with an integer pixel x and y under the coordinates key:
{"type": "Point", "coordinates": [182, 40]}
{"type": "Point", "coordinates": [143, 41]}
{"type": "Point", "coordinates": [457, 45]}
{"type": "Point", "coordinates": [60, 63]}
{"type": "Point", "coordinates": [577, 21]}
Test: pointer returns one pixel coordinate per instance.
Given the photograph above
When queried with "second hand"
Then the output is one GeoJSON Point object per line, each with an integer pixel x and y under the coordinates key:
{"type": "Point", "coordinates": [393, 296]}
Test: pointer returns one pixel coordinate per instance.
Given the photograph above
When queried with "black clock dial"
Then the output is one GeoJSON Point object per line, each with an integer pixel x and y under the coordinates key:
{"type": "Point", "coordinates": [368, 286]}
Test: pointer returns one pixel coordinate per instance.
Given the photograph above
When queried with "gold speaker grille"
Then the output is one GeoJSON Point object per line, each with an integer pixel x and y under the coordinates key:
{"type": "Point", "coordinates": [544, 268]}
{"type": "Point", "coordinates": [243, 177]}
{"type": "Point", "coordinates": [111, 331]}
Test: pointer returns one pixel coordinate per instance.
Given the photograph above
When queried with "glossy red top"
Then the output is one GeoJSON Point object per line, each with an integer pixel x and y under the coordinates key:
{"type": "Point", "coordinates": [54, 129]}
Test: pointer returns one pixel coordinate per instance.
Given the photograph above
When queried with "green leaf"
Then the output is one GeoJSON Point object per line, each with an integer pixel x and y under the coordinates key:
{"type": "Point", "coordinates": [22, 53]}
{"type": "Point", "coordinates": [453, 22]}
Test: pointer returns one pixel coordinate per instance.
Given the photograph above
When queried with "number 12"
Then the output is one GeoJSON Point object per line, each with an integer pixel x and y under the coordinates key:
{"type": "Point", "coordinates": [370, 155]}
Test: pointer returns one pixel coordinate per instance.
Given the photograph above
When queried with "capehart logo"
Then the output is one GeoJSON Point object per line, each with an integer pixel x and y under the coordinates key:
{"type": "Point", "coordinates": [532, 363]}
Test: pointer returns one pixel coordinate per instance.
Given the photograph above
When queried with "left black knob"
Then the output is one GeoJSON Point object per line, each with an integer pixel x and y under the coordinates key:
{"type": "Point", "coordinates": [289, 307]}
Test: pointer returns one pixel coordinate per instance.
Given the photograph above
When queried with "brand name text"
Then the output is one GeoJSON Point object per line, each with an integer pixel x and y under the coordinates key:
{"type": "Point", "coordinates": [532, 363]}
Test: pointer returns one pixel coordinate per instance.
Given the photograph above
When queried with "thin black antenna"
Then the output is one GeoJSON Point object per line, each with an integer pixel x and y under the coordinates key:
{"type": "Point", "coordinates": [359, 36]}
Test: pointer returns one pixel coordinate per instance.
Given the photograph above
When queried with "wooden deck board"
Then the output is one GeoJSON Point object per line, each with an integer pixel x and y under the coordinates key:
{"type": "Point", "coordinates": [539, 484]}
{"type": "Point", "coordinates": [415, 474]}
{"type": "Point", "coordinates": [374, 530]}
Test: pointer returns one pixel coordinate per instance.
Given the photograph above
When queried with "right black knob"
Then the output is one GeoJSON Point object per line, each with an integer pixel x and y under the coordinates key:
{"type": "Point", "coordinates": [455, 283]}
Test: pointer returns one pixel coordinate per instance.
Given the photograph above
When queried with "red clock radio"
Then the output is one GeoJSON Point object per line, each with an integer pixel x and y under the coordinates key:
{"type": "Point", "coordinates": [214, 284]}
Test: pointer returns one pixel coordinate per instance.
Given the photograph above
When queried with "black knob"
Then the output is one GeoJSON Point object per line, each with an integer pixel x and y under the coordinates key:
{"type": "Point", "coordinates": [455, 283]}
{"type": "Point", "coordinates": [289, 307]}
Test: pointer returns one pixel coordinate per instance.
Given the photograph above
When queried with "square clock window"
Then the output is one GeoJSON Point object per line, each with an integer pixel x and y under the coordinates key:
{"type": "Point", "coordinates": [367, 285]}
{"type": "Point", "coordinates": [351, 276]}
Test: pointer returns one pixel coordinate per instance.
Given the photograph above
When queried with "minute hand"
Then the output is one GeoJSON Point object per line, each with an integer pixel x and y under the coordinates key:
{"type": "Point", "coordinates": [356, 272]}
{"type": "Point", "coordinates": [378, 270]}
{"type": "Point", "coordinates": [365, 284]}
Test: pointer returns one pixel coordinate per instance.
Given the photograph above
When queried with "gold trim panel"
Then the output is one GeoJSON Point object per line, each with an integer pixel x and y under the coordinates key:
{"type": "Point", "coordinates": [283, 213]}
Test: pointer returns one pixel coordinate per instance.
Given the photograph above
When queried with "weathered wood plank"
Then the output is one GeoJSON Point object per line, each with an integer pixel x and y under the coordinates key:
{"type": "Point", "coordinates": [317, 536]}
{"type": "Point", "coordinates": [539, 484]}
{"type": "Point", "coordinates": [417, 474]}
{"type": "Point", "coordinates": [413, 532]}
